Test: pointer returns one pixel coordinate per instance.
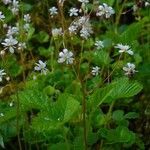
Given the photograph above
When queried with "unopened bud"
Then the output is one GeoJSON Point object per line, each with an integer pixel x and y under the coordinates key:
{"type": "Point", "coordinates": [2, 53]}
{"type": "Point", "coordinates": [8, 78]}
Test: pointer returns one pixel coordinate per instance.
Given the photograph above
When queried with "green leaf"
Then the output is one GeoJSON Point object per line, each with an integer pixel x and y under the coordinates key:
{"type": "Point", "coordinates": [119, 135]}
{"type": "Point", "coordinates": [78, 143]}
{"type": "Point", "coordinates": [45, 51]}
{"type": "Point", "coordinates": [100, 96]}
{"type": "Point", "coordinates": [42, 37]}
{"type": "Point", "coordinates": [25, 7]}
{"type": "Point", "coordinates": [92, 138]}
{"type": "Point", "coordinates": [98, 118]}
{"type": "Point", "coordinates": [62, 146]}
{"type": "Point", "coordinates": [34, 98]}
{"type": "Point", "coordinates": [131, 115]}
{"type": "Point", "coordinates": [12, 66]}
{"type": "Point", "coordinates": [49, 90]}
{"type": "Point", "coordinates": [118, 115]}
{"type": "Point", "coordinates": [30, 33]}
{"type": "Point", "coordinates": [109, 2]}
{"type": "Point", "coordinates": [69, 106]}
{"type": "Point", "coordinates": [132, 32]}
{"type": "Point", "coordinates": [57, 115]}
{"type": "Point", "coordinates": [101, 58]}
{"type": "Point", "coordinates": [121, 88]}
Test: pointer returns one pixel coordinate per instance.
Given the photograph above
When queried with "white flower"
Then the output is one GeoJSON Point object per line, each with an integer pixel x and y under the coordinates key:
{"type": "Point", "coordinates": [105, 10]}
{"type": "Point", "coordinates": [129, 69]}
{"type": "Point", "coordinates": [82, 24]}
{"type": "Point", "coordinates": [1, 115]}
{"type": "Point", "coordinates": [72, 29]}
{"type": "Point", "coordinates": [147, 4]}
{"type": "Point", "coordinates": [15, 3]}
{"type": "Point", "coordinates": [12, 30]}
{"type": "Point", "coordinates": [86, 30]}
{"type": "Point", "coordinates": [66, 56]}
{"type": "Point", "coordinates": [2, 73]}
{"type": "Point", "coordinates": [15, 7]}
{"type": "Point", "coordinates": [6, 1]}
{"type": "Point", "coordinates": [41, 66]}
{"type": "Point", "coordinates": [57, 32]}
{"type": "Point", "coordinates": [27, 18]}
{"type": "Point", "coordinates": [73, 12]}
{"type": "Point", "coordinates": [53, 11]}
{"type": "Point", "coordinates": [95, 71]}
{"type": "Point", "coordinates": [11, 104]}
{"type": "Point", "coordinates": [22, 46]}
{"type": "Point", "coordinates": [26, 26]}
{"type": "Point", "coordinates": [1, 16]}
{"type": "Point", "coordinates": [84, 1]}
{"type": "Point", "coordinates": [99, 44]}
{"type": "Point", "coordinates": [10, 43]}
{"type": "Point", "coordinates": [124, 48]}
{"type": "Point", "coordinates": [135, 8]}
{"type": "Point", "coordinates": [82, 20]}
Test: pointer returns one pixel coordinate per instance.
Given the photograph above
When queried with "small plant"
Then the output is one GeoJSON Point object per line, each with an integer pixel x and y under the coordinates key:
{"type": "Point", "coordinates": [70, 74]}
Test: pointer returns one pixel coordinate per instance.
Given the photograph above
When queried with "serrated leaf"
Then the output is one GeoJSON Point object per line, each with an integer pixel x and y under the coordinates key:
{"type": "Point", "coordinates": [42, 37]}
{"type": "Point", "coordinates": [58, 114]}
{"type": "Point", "coordinates": [30, 33]}
{"type": "Point", "coordinates": [119, 135]}
{"type": "Point", "coordinates": [121, 88]}
{"type": "Point", "coordinates": [34, 98]}
{"type": "Point", "coordinates": [118, 115]}
{"type": "Point", "coordinates": [13, 67]}
{"type": "Point", "coordinates": [70, 106]}
{"type": "Point", "coordinates": [101, 58]}
{"type": "Point", "coordinates": [132, 32]}
{"type": "Point", "coordinates": [131, 115]}
{"type": "Point", "coordinates": [25, 7]}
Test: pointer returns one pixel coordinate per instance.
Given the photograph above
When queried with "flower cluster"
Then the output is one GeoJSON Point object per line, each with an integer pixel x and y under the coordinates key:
{"type": "Point", "coordinates": [12, 31]}
{"type": "Point", "coordinates": [10, 42]}
{"type": "Point", "coordinates": [57, 32]}
{"type": "Point", "coordinates": [105, 10]}
{"type": "Point", "coordinates": [13, 5]}
{"type": "Point", "coordinates": [83, 26]}
{"type": "Point", "coordinates": [80, 25]}
{"type": "Point", "coordinates": [129, 68]}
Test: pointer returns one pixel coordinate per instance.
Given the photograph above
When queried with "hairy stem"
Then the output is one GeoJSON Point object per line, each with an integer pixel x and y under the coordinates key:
{"type": "Point", "coordinates": [17, 123]}
{"type": "Point", "coordinates": [84, 116]}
